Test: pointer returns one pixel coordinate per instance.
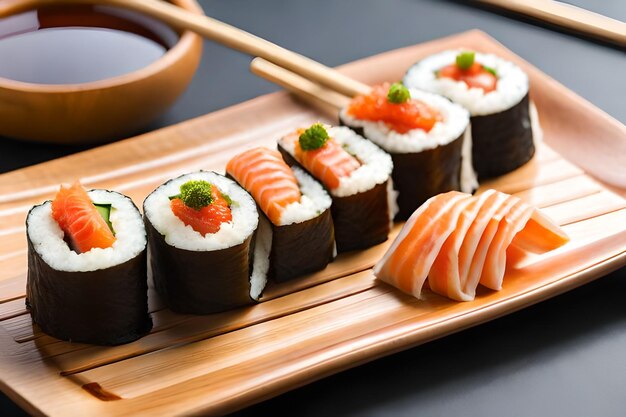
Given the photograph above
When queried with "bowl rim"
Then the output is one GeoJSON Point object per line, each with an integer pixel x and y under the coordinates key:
{"type": "Point", "coordinates": [171, 56]}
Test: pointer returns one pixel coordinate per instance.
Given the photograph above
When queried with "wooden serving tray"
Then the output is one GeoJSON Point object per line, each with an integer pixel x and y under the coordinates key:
{"type": "Point", "coordinates": [322, 323]}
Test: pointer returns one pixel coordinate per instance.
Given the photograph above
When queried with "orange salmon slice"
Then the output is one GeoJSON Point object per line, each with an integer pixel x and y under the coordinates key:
{"type": "Point", "coordinates": [329, 164]}
{"type": "Point", "coordinates": [206, 220]}
{"type": "Point", "coordinates": [408, 262]}
{"type": "Point", "coordinates": [79, 219]}
{"type": "Point", "coordinates": [448, 274]}
{"type": "Point", "coordinates": [270, 181]}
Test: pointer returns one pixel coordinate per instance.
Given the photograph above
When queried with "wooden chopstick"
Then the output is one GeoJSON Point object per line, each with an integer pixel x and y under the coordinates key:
{"type": "Point", "coordinates": [300, 86]}
{"type": "Point", "coordinates": [567, 16]}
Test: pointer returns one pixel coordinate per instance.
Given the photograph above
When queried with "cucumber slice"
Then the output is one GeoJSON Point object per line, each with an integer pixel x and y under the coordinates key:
{"type": "Point", "coordinates": [105, 212]}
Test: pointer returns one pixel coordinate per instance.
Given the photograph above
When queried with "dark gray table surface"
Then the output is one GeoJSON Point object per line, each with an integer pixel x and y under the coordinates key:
{"type": "Point", "coordinates": [563, 357]}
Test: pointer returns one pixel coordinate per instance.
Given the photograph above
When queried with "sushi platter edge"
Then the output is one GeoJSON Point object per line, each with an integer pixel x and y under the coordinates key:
{"type": "Point", "coordinates": [326, 322]}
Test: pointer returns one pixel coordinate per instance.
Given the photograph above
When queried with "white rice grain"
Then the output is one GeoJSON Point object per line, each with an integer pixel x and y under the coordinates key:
{"type": "Point", "coordinates": [455, 121]}
{"type": "Point", "coordinates": [314, 201]}
{"type": "Point", "coordinates": [511, 87]}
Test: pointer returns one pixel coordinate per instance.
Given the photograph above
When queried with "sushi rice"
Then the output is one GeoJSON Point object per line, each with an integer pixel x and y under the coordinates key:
{"type": "Point", "coordinates": [47, 236]}
{"type": "Point", "coordinates": [159, 212]}
{"type": "Point", "coordinates": [314, 200]}
{"type": "Point", "coordinates": [455, 123]}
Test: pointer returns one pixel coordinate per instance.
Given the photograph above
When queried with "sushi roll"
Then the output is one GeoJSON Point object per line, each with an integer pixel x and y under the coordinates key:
{"type": "Point", "coordinates": [200, 238]}
{"type": "Point", "coordinates": [427, 136]}
{"type": "Point", "coordinates": [296, 225]}
{"type": "Point", "coordinates": [357, 175]}
{"type": "Point", "coordinates": [87, 278]}
{"type": "Point", "coordinates": [495, 92]}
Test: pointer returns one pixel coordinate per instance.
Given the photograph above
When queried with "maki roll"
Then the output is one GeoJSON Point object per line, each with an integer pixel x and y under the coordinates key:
{"type": "Point", "coordinates": [200, 238]}
{"type": "Point", "coordinates": [357, 175]}
{"type": "Point", "coordinates": [427, 136]}
{"type": "Point", "coordinates": [495, 92]}
{"type": "Point", "coordinates": [296, 225]}
{"type": "Point", "coordinates": [87, 278]}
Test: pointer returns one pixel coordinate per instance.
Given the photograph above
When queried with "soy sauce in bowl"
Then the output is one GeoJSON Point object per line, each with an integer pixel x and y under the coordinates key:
{"type": "Point", "coordinates": [79, 44]}
{"type": "Point", "coordinates": [73, 74]}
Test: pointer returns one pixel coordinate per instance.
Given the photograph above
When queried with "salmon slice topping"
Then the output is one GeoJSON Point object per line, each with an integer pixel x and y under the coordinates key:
{"type": "Point", "coordinates": [457, 241]}
{"type": "Point", "coordinates": [473, 74]}
{"type": "Point", "coordinates": [270, 181]}
{"type": "Point", "coordinates": [399, 116]}
{"type": "Point", "coordinates": [328, 163]}
{"type": "Point", "coordinates": [79, 219]}
{"type": "Point", "coordinates": [204, 211]}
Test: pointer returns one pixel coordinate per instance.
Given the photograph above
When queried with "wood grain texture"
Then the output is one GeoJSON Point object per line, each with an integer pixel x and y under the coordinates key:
{"type": "Point", "coordinates": [568, 17]}
{"type": "Point", "coordinates": [318, 325]}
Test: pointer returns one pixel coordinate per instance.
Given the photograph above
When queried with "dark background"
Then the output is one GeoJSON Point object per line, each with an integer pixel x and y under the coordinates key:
{"type": "Point", "coordinates": [563, 357]}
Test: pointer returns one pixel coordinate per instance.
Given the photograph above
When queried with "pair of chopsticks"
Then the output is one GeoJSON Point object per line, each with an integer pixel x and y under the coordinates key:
{"type": "Point", "coordinates": [300, 86]}
{"type": "Point", "coordinates": [300, 74]}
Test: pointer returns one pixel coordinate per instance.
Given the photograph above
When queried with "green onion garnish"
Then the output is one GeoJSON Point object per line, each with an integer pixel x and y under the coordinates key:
{"type": "Point", "coordinates": [465, 60]}
{"type": "Point", "coordinates": [313, 138]}
{"type": "Point", "coordinates": [398, 94]}
{"type": "Point", "coordinates": [491, 70]}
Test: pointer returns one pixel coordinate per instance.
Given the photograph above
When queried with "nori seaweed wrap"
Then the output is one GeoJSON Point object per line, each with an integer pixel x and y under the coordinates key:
{"type": "Point", "coordinates": [203, 272]}
{"type": "Point", "coordinates": [98, 296]}
{"type": "Point", "coordinates": [296, 227]}
{"type": "Point", "coordinates": [502, 141]}
{"type": "Point", "coordinates": [502, 117]}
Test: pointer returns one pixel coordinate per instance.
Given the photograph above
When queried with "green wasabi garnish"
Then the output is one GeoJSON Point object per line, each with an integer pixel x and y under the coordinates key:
{"type": "Point", "coordinates": [313, 138]}
{"type": "Point", "coordinates": [491, 70]}
{"type": "Point", "coordinates": [398, 94]}
{"type": "Point", "coordinates": [196, 194]}
{"type": "Point", "coordinates": [465, 59]}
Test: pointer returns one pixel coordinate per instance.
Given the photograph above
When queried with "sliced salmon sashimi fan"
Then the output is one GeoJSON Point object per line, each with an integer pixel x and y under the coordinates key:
{"type": "Point", "coordinates": [445, 274]}
{"type": "Point", "coordinates": [514, 221]}
{"type": "Point", "coordinates": [457, 241]}
{"type": "Point", "coordinates": [407, 263]}
{"type": "Point", "coordinates": [497, 214]}
{"type": "Point", "coordinates": [269, 179]}
{"type": "Point", "coordinates": [79, 219]}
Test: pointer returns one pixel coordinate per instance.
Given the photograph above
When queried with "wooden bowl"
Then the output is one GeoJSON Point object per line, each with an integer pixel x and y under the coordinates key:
{"type": "Point", "coordinates": [101, 110]}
